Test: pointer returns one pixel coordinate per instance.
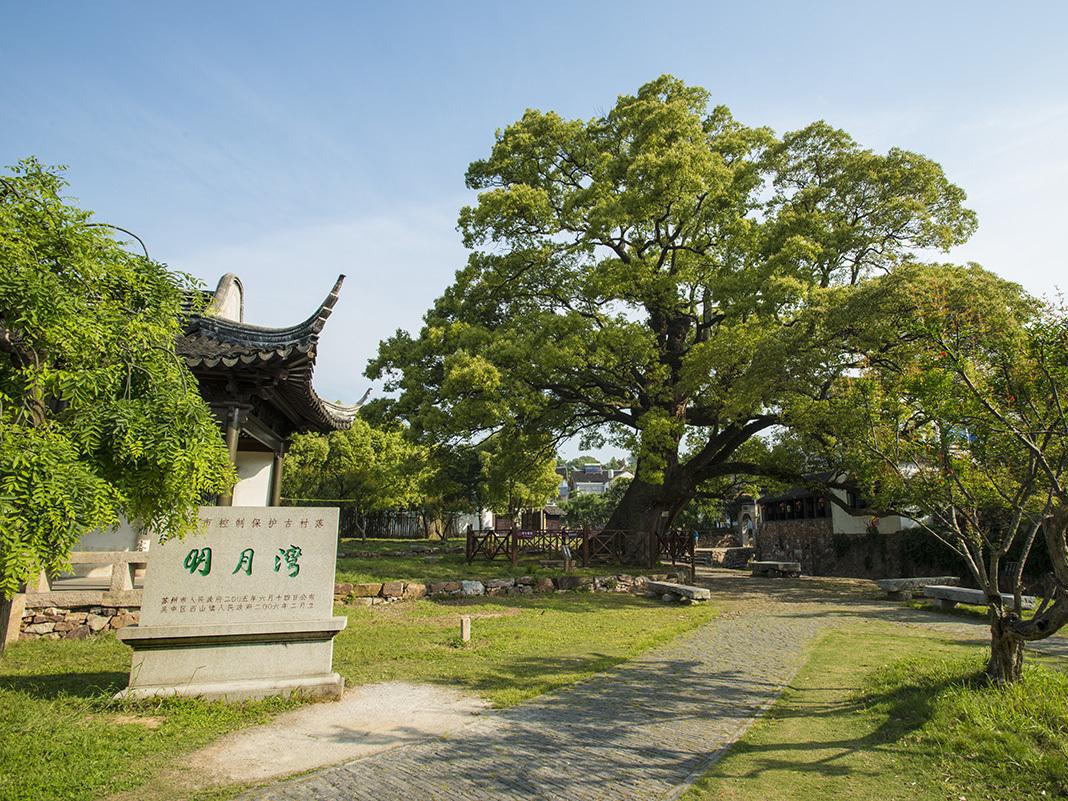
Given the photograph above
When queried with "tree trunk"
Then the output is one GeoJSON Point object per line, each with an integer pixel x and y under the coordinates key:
{"type": "Point", "coordinates": [1006, 652]}
{"type": "Point", "coordinates": [643, 510]}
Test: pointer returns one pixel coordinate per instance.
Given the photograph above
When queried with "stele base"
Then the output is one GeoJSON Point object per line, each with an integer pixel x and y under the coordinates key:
{"type": "Point", "coordinates": [235, 661]}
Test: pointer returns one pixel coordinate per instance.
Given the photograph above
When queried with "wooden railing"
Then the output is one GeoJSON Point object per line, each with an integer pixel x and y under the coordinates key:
{"type": "Point", "coordinates": [44, 592]}
{"type": "Point", "coordinates": [605, 546]}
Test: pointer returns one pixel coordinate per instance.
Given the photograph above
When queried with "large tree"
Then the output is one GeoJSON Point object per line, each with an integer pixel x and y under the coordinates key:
{"type": "Point", "coordinates": [98, 415]}
{"type": "Point", "coordinates": [957, 420]}
{"type": "Point", "coordinates": [640, 278]}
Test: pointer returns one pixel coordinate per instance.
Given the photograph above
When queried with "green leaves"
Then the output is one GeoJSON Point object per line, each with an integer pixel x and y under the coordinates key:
{"type": "Point", "coordinates": [660, 273]}
{"type": "Point", "coordinates": [98, 416]}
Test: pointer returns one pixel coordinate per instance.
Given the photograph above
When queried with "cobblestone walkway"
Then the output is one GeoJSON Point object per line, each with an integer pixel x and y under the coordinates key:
{"type": "Point", "coordinates": [637, 732]}
{"type": "Point", "coordinates": [643, 731]}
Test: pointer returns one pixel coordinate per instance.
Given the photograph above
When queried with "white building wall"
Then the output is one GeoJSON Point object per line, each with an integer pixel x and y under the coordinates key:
{"type": "Point", "coordinates": [844, 523]}
{"type": "Point", "coordinates": [253, 486]}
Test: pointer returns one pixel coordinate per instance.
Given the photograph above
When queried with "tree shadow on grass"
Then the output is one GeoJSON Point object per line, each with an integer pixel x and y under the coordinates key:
{"type": "Point", "coordinates": [903, 710]}
{"type": "Point", "coordinates": [92, 685]}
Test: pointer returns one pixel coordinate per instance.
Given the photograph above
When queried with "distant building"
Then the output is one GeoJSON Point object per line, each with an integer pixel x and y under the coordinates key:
{"type": "Point", "coordinates": [831, 532]}
{"type": "Point", "coordinates": [593, 478]}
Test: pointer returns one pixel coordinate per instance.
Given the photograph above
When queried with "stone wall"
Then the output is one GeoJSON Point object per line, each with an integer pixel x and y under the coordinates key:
{"type": "Point", "coordinates": [822, 552]}
{"type": "Point", "coordinates": [54, 623]}
{"type": "Point", "coordinates": [386, 592]}
{"type": "Point", "coordinates": [736, 558]}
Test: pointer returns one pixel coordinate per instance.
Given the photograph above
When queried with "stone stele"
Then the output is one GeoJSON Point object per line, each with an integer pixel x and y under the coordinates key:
{"type": "Point", "coordinates": [243, 609]}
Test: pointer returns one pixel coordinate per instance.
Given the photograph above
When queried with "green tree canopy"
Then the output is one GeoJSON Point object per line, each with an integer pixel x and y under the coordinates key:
{"type": "Point", "coordinates": [641, 277]}
{"type": "Point", "coordinates": [376, 469]}
{"type": "Point", "coordinates": [518, 472]}
{"type": "Point", "coordinates": [98, 416]}
{"type": "Point", "coordinates": [957, 421]}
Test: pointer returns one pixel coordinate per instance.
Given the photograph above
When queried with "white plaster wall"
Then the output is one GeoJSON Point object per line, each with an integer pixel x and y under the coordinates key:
{"type": "Point", "coordinates": [844, 523]}
{"type": "Point", "coordinates": [253, 486]}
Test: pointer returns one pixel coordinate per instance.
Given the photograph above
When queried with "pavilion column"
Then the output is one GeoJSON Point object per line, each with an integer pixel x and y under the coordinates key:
{"type": "Point", "coordinates": [276, 474]}
{"type": "Point", "coordinates": [233, 434]}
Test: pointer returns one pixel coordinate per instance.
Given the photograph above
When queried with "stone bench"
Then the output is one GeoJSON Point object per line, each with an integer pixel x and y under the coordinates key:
{"type": "Point", "coordinates": [947, 597]}
{"type": "Point", "coordinates": [776, 569]}
{"type": "Point", "coordinates": [902, 589]}
{"type": "Point", "coordinates": [679, 591]}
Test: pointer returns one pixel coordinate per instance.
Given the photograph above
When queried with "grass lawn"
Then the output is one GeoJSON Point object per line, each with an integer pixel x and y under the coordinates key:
{"type": "Point", "coordinates": [969, 610]}
{"type": "Point", "coordinates": [441, 566]}
{"type": "Point", "coordinates": [62, 737]}
{"type": "Point", "coordinates": [520, 646]}
{"type": "Point", "coordinates": [878, 714]}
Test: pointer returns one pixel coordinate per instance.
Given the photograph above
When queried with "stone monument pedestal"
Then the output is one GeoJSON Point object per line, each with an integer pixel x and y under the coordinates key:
{"type": "Point", "coordinates": [243, 609]}
{"type": "Point", "coordinates": [234, 662]}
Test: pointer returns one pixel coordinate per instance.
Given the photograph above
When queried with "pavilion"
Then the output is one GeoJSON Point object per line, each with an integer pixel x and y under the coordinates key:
{"type": "Point", "coordinates": [258, 383]}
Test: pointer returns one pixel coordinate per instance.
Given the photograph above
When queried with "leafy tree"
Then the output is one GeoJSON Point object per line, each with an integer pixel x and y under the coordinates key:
{"type": "Point", "coordinates": [641, 277]}
{"type": "Point", "coordinates": [958, 422]}
{"type": "Point", "coordinates": [595, 509]}
{"type": "Point", "coordinates": [518, 472]}
{"type": "Point", "coordinates": [374, 469]}
{"type": "Point", "coordinates": [98, 416]}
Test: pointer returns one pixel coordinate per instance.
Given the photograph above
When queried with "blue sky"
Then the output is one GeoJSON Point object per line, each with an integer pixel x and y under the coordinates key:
{"type": "Point", "coordinates": [290, 142]}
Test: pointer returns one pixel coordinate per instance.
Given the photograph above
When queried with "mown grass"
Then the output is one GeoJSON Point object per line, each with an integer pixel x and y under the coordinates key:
{"type": "Point", "coordinates": [972, 611]}
{"type": "Point", "coordinates": [877, 714]}
{"type": "Point", "coordinates": [520, 646]}
{"type": "Point", "coordinates": [440, 566]}
{"type": "Point", "coordinates": [63, 738]}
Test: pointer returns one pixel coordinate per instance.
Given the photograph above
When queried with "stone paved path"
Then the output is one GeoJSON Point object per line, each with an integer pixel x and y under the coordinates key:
{"type": "Point", "coordinates": [643, 731]}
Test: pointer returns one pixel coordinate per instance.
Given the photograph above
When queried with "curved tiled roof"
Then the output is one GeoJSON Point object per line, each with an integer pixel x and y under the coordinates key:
{"type": "Point", "coordinates": [212, 344]}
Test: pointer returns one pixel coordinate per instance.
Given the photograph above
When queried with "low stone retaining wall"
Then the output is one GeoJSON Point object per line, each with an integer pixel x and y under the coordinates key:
{"type": "Point", "coordinates": [77, 623]}
{"type": "Point", "coordinates": [389, 591]}
{"type": "Point", "coordinates": [54, 623]}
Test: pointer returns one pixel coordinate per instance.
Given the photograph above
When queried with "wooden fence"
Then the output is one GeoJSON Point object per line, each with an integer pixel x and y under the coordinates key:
{"type": "Point", "coordinates": [605, 546]}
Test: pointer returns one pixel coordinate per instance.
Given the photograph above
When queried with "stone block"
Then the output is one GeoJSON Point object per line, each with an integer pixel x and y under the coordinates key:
{"type": "Point", "coordinates": [78, 633]}
{"type": "Point", "coordinates": [77, 617]}
{"type": "Point", "coordinates": [414, 589]}
{"type": "Point", "coordinates": [366, 590]}
{"type": "Point", "coordinates": [947, 597]}
{"type": "Point", "coordinates": [63, 626]}
{"type": "Point", "coordinates": [682, 590]}
{"type": "Point", "coordinates": [567, 582]}
{"type": "Point", "coordinates": [393, 589]}
{"type": "Point", "coordinates": [497, 591]}
{"type": "Point", "coordinates": [362, 601]}
{"type": "Point", "coordinates": [471, 588]}
{"type": "Point", "coordinates": [97, 622]}
{"type": "Point", "coordinates": [908, 585]}
{"type": "Point", "coordinates": [452, 586]}
{"type": "Point", "coordinates": [525, 581]}
{"type": "Point", "coordinates": [40, 628]}
{"type": "Point", "coordinates": [499, 583]}
{"type": "Point", "coordinates": [121, 621]}
{"type": "Point", "coordinates": [342, 589]}
{"type": "Point", "coordinates": [544, 584]}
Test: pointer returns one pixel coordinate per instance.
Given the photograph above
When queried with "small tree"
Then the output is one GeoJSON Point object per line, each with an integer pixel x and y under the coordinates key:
{"type": "Point", "coordinates": [595, 509]}
{"type": "Point", "coordinates": [518, 472]}
{"type": "Point", "coordinates": [98, 415]}
{"type": "Point", "coordinates": [958, 422]}
{"type": "Point", "coordinates": [374, 469]}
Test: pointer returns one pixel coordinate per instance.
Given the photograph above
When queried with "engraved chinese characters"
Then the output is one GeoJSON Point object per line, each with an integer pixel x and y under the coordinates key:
{"type": "Point", "coordinates": [247, 565]}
